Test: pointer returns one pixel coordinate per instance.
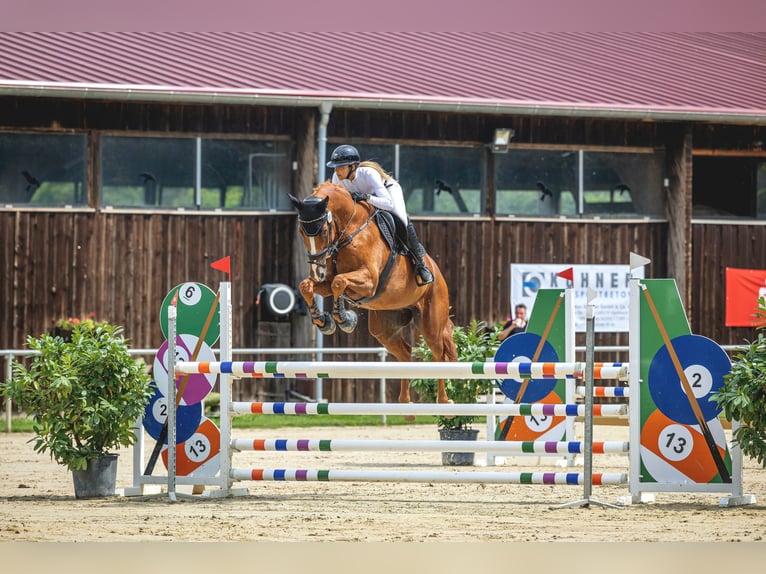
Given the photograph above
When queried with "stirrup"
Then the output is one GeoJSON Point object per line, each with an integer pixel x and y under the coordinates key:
{"type": "Point", "coordinates": [423, 275]}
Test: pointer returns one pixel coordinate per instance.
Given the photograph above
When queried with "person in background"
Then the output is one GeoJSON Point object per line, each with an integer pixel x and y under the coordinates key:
{"type": "Point", "coordinates": [516, 325]}
{"type": "Point", "coordinates": [367, 181]}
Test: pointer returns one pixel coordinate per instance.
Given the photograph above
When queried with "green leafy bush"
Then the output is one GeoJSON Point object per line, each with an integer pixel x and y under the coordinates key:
{"type": "Point", "coordinates": [476, 342]}
{"type": "Point", "coordinates": [743, 394]}
{"type": "Point", "coordinates": [84, 392]}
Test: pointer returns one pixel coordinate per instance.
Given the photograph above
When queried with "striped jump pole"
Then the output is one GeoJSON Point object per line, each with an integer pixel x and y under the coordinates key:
{"type": "Point", "coordinates": [605, 391]}
{"type": "Point", "coordinates": [504, 409]}
{"type": "Point", "coordinates": [404, 370]}
{"type": "Point", "coordinates": [603, 370]}
{"type": "Point", "coordinates": [503, 447]}
{"type": "Point", "coordinates": [298, 475]}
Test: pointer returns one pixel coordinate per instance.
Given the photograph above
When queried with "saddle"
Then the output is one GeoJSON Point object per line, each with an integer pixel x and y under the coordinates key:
{"type": "Point", "coordinates": [392, 230]}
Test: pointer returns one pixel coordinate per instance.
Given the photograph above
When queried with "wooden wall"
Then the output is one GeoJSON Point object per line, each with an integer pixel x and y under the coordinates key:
{"type": "Point", "coordinates": [121, 266]}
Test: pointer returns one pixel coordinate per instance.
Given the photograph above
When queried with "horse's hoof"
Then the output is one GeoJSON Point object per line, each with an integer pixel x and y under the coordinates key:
{"type": "Point", "coordinates": [328, 327]}
{"type": "Point", "coordinates": [446, 402]}
{"type": "Point", "coordinates": [348, 322]}
{"type": "Point", "coordinates": [407, 418]}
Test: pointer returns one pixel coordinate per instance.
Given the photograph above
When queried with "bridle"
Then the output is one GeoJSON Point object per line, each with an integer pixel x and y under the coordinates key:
{"type": "Point", "coordinates": [337, 238]}
{"type": "Point", "coordinates": [312, 228]}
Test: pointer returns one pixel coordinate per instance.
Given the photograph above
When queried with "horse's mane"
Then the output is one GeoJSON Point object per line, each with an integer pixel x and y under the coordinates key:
{"type": "Point", "coordinates": [340, 198]}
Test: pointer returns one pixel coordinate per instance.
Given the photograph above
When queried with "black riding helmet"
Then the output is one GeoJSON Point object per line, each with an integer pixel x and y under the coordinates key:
{"type": "Point", "coordinates": [344, 155]}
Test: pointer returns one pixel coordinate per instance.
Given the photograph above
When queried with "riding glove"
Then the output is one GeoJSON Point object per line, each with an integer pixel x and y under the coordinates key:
{"type": "Point", "coordinates": [359, 196]}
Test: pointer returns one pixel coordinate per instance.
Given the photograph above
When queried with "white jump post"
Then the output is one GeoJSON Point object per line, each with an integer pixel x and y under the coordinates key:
{"type": "Point", "coordinates": [224, 476]}
{"type": "Point", "coordinates": [587, 499]}
{"type": "Point", "coordinates": [171, 422]}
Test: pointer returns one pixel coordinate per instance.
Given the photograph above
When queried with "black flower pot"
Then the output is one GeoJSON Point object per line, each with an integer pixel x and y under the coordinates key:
{"type": "Point", "coordinates": [98, 480]}
{"type": "Point", "coordinates": [458, 458]}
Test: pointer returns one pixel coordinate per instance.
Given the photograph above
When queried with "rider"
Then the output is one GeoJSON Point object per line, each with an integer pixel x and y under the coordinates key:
{"type": "Point", "coordinates": [367, 181]}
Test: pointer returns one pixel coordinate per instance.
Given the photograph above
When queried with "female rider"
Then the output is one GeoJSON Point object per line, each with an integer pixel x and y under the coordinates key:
{"type": "Point", "coordinates": [367, 181]}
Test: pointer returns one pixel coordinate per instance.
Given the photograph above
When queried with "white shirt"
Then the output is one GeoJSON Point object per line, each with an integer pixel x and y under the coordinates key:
{"type": "Point", "coordinates": [368, 180]}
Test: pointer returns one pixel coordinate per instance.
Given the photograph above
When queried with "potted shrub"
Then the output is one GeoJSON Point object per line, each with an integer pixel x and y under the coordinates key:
{"type": "Point", "coordinates": [476, 342]}
{"type": "Point", "coordinates": [84, 393]}
{"type": "Point", "coordinates": [743, 394]}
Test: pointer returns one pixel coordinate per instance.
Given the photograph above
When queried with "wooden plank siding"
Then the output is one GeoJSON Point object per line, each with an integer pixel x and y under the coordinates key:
{"type": "Point", "coordinates": [121, 266]}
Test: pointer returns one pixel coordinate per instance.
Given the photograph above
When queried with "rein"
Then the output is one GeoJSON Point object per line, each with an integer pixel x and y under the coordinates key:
{"type": "Point", "coordinates": [343, 239]}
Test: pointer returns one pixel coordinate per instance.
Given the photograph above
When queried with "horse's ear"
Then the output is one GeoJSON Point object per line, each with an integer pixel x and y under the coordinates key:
{"type": "Point", "coordinates": [295, 201]}
{"type": "Point", "coordinates": [324, 202]}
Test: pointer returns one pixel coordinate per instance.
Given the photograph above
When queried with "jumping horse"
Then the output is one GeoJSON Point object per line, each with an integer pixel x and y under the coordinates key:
{"type": "Point", "coordinates": [354, 259]}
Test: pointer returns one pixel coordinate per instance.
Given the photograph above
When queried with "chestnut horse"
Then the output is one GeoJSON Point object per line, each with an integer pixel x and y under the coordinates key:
{"type": "Point", "coordinates": [355, 263]}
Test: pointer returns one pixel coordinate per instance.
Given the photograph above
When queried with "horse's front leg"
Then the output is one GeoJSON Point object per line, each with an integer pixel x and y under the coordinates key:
{"type": "Point", "coordinates": [322, 319]}
{"type": "Point", "coordinates": [346, 319]}
{"type": "Point", "coordinates": [358, 283]}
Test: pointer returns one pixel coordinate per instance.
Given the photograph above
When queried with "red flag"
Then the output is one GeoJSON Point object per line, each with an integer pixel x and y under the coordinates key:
{"type": "Point", "coordinates": [567, 274]}
{"type": "Point", "coordinates": [743, 289]}
{"type": "Point", "coordinates": [222, 265]}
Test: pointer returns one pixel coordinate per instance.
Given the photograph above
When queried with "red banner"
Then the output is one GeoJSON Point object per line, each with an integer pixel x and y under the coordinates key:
{"type": "Point", "coordinates": [743, 288]}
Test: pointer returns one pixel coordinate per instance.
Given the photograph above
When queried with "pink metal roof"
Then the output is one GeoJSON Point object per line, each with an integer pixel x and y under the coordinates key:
{"type": "Point", "coordinates": [713, 76]}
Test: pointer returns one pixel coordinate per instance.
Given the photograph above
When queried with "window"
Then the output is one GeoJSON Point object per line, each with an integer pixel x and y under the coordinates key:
{"type": "Point", "coordinates": [727, 187]}
{"type": "Point", "coordinates": [195, 173]}
{"type": "Point", "coordinates": [579, 183]}
{"type": "Point", "coordinates": [532, 182]}
{"type": "Point", "coordinates": [441, 180]}
{"type": "Point", "coordinates": [43, 170]}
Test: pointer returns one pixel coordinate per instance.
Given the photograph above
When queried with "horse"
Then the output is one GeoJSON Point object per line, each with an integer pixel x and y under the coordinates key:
{"type": "Point", "coordinates": [354, 259]}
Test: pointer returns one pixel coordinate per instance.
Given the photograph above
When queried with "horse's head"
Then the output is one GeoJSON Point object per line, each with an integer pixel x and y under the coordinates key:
{"type": "Point", "coordinates": [315, 223]}
{"type": "Point", "coordinates": [327, 222]}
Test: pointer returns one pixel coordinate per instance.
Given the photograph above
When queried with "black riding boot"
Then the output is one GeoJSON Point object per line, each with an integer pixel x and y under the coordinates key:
{"type": "Point", "coordinates": [423, 275]}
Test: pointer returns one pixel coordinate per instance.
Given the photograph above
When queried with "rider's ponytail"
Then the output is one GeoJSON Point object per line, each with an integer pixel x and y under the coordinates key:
{"type": "Point", "coordinates": [376, 166]}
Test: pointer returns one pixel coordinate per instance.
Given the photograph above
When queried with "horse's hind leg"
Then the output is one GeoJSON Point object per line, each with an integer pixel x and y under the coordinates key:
{"type": "Point", "coordinates": [448, 353]}
{"type": "Point", "coordinates": [436, 327]}
{"type": "Point", "coordinates": [388, 329]}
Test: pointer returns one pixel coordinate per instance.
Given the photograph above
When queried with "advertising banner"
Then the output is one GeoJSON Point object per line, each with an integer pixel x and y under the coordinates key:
{"type": "Point", "coordinates": [611, 282]}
